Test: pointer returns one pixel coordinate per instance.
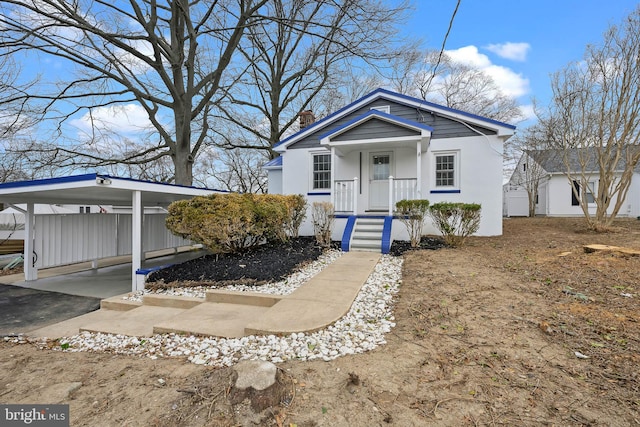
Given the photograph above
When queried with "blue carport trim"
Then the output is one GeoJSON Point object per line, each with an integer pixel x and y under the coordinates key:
{"type": "Point", "coordinates": [386, 234]}
{"type": "Point", "coordinates": [149, 270]}
{"type": "Point", "coordinates": [348, 230]}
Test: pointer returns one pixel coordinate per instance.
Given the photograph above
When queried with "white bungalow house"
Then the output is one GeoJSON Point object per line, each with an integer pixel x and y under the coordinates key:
{"type": "Point", "coordinates": [555, 195]}
{"type": "Point", "coordinates": [386, 147]}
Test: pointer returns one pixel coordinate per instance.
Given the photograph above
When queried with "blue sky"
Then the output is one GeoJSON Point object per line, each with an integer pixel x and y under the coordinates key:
{"type": "Point", "coordinates": [546, 34]}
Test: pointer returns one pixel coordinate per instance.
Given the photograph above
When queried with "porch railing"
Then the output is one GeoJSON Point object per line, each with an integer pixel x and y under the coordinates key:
{"type": "Point", "coordinates": [345, 193]}
{"type": "Point", "coordinates": [401, 189]}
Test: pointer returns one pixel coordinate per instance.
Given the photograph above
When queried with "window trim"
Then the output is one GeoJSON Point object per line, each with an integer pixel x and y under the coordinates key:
{"type": "Point", "coordinates": [593, 186]}
{"type": "Point", "coordinates": [312, 181]}
{"type": "Point", "coordinates": [455, 188]}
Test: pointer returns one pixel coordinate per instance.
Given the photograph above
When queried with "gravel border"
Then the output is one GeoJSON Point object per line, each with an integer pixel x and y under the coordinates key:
{"type": "Point", "coordinates": [362, 329]}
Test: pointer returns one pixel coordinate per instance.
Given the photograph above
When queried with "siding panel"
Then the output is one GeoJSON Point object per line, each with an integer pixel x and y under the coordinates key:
{"type": "Point", "coordinates": [443, 127]}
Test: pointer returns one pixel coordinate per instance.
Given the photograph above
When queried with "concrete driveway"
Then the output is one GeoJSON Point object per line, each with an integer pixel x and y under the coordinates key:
{"type": "Point", "coordinates": [23, 309]}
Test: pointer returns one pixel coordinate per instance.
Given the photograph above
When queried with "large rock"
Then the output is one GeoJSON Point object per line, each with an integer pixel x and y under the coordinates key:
{"type": "Point", "coordinates": [259, 383]}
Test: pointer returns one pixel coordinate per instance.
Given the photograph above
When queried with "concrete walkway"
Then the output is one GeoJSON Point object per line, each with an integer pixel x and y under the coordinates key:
{"type": "Point", "coordinates": [318, 303]}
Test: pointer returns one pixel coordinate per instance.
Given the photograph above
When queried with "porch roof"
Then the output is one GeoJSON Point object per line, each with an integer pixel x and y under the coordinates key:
{"type": "Point", "coordinates": [415, 132]}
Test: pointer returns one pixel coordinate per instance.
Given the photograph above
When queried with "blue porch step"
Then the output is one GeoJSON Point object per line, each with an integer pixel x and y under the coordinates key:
{"type": "Point", "coordinates": [365, 233]}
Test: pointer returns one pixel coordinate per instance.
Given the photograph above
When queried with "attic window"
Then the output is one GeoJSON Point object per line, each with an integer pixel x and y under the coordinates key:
{"type": "Point", "coordinates": [384, 108]}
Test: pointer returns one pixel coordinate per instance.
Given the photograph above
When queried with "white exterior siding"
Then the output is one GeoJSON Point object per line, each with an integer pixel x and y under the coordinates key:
{"type": "Point", "coordinates": [274, 181]}
{"type": "Point", "coordinates": [480, 174]}
{"type": "Point", "coordinates": [479, 177]}
{"type": "Point", "coordinates": [559, 199]}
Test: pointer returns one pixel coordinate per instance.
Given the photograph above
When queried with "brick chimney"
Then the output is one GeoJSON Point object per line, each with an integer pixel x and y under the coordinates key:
{"type": "Point", "coordinates": [306, 118]}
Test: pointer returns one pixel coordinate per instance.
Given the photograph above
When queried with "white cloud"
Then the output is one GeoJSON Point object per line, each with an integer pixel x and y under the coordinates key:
{"type": "Point", "coordinates": [121, 119]}
{"type": "Point", "coordinates": [528, 113]}
{"type": "Point", "coordinates": [509, 50]}
{"type": "Point", "coordinates": [469, 55]}
{"type": "Point", "coordinates": [510, 82]}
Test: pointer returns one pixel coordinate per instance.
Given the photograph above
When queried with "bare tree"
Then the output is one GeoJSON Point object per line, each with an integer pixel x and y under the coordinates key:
{"type": "Point", "coordinates": [530, 170]}
{"type": "Point", "coordinates": [238, 170]}
{"type": "Point", "coordinates": [594, 118]}
{"type": "Point", "coordinates": [434, 77]}
{"type": "Point", "coordinates": [305, 49]}
{"type": "Point", "coordinates": [169, 57]}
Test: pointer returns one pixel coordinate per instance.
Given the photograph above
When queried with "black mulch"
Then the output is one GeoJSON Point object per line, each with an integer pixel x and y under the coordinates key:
{"type": "Point", "coordinates": [267, 263]}
{"type": "Point", "coordinates": [400, 247]}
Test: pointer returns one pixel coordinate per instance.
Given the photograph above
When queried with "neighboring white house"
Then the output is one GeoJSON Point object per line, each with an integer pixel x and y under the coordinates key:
{"type": "Point", "coordinates": [386, 147]}
{"type": "Point", "coordinates": [555, 196]}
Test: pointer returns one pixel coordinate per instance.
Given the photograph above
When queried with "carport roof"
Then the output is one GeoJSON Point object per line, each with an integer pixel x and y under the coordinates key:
{"type": "Point", "coordinates": [96, 188]}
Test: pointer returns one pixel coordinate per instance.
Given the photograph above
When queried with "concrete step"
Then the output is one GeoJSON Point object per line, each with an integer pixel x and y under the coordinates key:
{"type": "Point", "coordinates": [367, 235]}
{"type": "Point", "coordinates": [158, 300]}
{"type": "Point", "coordinates": [366, 244]}
{"type": "Point", "coordinates": [364, 221]}
{"type": "Point", "coordinates": [246, 298]}
{"type": "Point", "coordinates": [117, 303]}
{"type": "Point", "coordinates": [137, 322]}
{"type": "Point", "coordinates": [368, 229]}
{"type": "Point", "coordinates": [212, 319]}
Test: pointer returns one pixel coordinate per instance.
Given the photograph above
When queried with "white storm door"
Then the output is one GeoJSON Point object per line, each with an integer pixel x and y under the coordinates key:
{"type": "Point", "coordinates": [380, 168]}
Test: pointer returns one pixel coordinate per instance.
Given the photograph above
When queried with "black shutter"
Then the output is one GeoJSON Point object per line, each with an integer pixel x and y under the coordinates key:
{"type": "Point", "coordinates": [574, 199]}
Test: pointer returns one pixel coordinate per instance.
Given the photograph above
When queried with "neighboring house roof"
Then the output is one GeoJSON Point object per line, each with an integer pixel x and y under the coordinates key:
{"type": "Point", "coordinates": [273, 164]}
{"type": "Point", "coordinates": [553, 160]}
{"type": "Point", "coordinates": [504, 129]}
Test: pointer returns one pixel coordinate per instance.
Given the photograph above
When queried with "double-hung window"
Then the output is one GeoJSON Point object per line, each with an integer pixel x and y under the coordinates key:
{"type": "Point", "coordinates": [446, 171]}
{"type": "Point", "coordinates": [321, 179]}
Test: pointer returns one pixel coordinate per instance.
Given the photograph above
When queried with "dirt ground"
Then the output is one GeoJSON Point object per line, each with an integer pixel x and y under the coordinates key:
{"type": "Point", "coordinates": [524, 329]}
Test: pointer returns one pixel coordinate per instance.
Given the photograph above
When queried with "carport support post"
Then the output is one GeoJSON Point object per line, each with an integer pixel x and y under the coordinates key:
{"type": "Point", "coordinates": [30, 271]}
{"type": "Point", "coordinates": [137, 284]}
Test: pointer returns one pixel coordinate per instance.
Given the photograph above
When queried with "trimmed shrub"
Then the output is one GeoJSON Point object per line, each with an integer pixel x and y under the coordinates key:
{"type": "Point", "coordinates": [412, 214]}
{"type": "Point", "coordinates": [456, 221]}
{"type": "Point", "coordinates": [296, 212]}
{"type": "Point", "coordinates": [228, 222]}
{"type": "Point", "coordinates": [322, 217]}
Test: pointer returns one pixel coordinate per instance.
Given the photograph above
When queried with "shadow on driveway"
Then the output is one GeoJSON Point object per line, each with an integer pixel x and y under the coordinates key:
{"type": "Point", "coordinates": [23, 310]}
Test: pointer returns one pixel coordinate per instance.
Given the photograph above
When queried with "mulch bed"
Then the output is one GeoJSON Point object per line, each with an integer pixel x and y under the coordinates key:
{"type": "Point", "coordinates": [267, 263]}
{"type": "Point", "coordinates": [432, 243]}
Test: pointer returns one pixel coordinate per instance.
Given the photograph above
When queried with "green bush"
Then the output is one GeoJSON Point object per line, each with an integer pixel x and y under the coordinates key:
{"type": "Point", "coordinates": [229, 222]}
{"type": "Point", "coordinates": [412, 214]}
{"type": "Point", "coordinates": [456, 221]}
{"type": "Point", "coordinates": [322, 217]}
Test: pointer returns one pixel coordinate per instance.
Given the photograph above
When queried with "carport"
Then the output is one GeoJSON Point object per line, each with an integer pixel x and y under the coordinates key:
{"type": "Point", "coordinates": [95, 189]}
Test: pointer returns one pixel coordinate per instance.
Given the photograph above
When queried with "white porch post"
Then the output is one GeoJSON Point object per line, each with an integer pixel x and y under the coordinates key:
{"type": "Point", "coordinates": [390, 195]}
{"type": "Point", "coordinates": [136, 240]}
{"type": "Point", "coordinates": [333, 177]}
{"type": "Point", "coordinates": [30, 271]}
{"type": "Point", "coordinates": [419, 170]}
{"type": "Point", "coordinates": [355, 195]}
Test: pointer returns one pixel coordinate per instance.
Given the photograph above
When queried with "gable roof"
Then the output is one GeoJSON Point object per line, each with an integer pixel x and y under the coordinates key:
{"type": "Point", "coordinates": [503, 129]}
{"type": "Point", "coordinates": [376, 114]}
{"type": "Point", "coordinates": [552, 160]}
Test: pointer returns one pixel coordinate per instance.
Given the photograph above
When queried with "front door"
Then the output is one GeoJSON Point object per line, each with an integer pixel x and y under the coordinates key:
{"type": "Point", "coordinates": [380, 165]}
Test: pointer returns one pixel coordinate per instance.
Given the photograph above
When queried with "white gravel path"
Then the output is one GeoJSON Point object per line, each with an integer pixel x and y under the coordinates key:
{"type": "Point", "coordinates": [362, 329]}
